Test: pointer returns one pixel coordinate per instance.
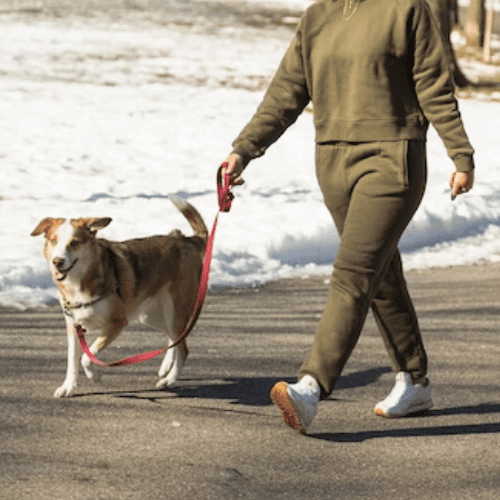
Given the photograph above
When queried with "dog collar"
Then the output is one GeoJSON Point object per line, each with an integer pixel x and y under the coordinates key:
{"type": "Point", "coordinates": [69, 307]}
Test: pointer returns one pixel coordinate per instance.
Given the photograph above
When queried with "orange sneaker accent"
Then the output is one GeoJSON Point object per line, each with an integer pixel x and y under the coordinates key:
{"type": "Point", "coordinates": [279, 396]}
{"type": "Point", "coordinates": [379, 412]}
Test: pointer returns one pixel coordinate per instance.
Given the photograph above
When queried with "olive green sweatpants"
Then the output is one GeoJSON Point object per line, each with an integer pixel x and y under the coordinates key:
{"type": "Point", "coordinates": [372, 190]}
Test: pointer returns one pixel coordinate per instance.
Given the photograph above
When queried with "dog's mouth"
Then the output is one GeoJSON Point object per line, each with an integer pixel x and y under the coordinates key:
{"type": "Point", "coordinates": [60, 274]}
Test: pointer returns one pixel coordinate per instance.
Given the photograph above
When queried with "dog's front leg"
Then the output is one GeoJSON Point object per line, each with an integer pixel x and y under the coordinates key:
{"type": "Point", "coordinates": [70, 382]}
{"type": "Point", "coordinates": [90, 369]}
{"type": "Point", "coordinates": [108, 334]}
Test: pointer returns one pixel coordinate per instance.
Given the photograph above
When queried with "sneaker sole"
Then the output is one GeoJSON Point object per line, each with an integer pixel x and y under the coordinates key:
{"type": "Point", "coordinates": [279, 396]}
{"type": "Point", "coordinates": [380, 412]}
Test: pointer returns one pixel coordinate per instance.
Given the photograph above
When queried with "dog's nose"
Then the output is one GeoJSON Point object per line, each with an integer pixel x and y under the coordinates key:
{"type": "Point", "coordinates": [58, 262]}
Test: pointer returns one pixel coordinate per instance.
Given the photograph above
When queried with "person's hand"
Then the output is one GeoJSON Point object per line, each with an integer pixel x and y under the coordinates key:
{"type": "Point", "coordinates": [234, 166]}
{"type": "Point", "coordinates": [461, 182]}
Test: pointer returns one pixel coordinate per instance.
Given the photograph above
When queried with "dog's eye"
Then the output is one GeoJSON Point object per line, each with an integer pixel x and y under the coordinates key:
{"type": "Point", "coordinates": [74, 243]}
{"type": "Point", "coordinates": [53, 241]}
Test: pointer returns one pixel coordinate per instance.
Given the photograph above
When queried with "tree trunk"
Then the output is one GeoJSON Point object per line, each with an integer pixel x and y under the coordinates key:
{"type": "Point", "coordinates": [474, 23]}
{"type": "Point", "coordinates": [443, 10]}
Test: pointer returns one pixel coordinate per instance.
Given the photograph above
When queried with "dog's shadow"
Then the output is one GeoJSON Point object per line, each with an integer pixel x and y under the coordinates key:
{"type": "Point", "coordinates": [252, 391]}
{"type": "Point", "coordinates": [247, 391]}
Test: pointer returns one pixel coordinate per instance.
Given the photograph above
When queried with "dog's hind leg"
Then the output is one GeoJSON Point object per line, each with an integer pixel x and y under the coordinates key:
{"type": "Point", "coordinates": [163, 316]}
{"type": "Point", "coordinates": [171, 365]}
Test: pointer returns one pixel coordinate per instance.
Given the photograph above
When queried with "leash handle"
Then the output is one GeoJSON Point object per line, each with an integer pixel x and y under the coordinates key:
{"type": "Point", "coordinates": [224, 194]}
{"type": "Point", "coordinates": [225, 198]}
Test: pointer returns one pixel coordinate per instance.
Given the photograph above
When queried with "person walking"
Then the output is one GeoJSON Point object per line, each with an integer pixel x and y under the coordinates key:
{"type": "Point", "coordinates": [376, 74]}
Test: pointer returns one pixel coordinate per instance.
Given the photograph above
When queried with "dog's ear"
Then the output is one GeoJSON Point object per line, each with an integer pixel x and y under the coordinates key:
{"type": "Point", "coordinates": [93, 224]}
{"type": "Point", "coordinates": [45, 224]}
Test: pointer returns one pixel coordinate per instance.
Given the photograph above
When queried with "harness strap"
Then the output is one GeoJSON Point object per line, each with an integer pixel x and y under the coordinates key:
{"type": "Point", "coordinates": [225, 197]}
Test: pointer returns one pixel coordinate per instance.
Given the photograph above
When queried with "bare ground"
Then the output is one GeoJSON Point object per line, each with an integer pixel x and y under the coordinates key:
{"type": "Point", "coordinates": [216, 435]}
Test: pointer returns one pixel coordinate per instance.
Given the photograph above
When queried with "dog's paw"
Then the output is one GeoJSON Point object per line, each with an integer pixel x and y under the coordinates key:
{"type": "Point", "coordinates": [91, 371]}
{"type": "Point", "coordinates": [170, 369]}
{"type": "Point", "coordinates": [93, 375]}
{"type": "Point", "coordinates": [167, 364]}
{"type": "Point", "coordinates": [167, 381]}
{"type": "Point", "coordinates": [64, 391]}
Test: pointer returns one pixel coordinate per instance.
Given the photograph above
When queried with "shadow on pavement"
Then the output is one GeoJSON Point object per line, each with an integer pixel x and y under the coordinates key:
{"type": "Point", "coordinates": [250, 391]}
{"type": "Point", "coordinates": [244, 390]}
{"type": "Point", "coordinates": [358, 437]}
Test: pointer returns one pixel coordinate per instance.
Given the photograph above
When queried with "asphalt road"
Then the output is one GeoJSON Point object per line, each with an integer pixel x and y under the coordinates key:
{"type": "Point", "coordinates": [216, 436]}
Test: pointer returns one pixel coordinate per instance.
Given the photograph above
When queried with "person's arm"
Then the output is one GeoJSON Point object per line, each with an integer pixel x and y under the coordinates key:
{"type": "Point", "coordinates": [436, 95]}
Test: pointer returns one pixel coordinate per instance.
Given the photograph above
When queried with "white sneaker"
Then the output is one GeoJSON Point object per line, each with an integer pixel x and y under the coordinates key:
{"type": "Point", "coordinates": [405, 398]}
{"type": "Point", "coordinates": [298, 402]}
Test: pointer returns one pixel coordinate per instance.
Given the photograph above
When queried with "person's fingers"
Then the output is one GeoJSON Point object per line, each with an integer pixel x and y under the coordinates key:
{"type": "Point", "coordinates": [460, 182]}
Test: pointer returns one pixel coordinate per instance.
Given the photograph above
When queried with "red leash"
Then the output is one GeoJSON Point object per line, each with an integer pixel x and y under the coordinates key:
{"type": "Point", "coordinates": [225, 197]}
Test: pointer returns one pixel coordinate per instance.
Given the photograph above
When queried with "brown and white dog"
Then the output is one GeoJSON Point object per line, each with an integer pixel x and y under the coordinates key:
{"type": "Point", "coordinates": [105, 285]}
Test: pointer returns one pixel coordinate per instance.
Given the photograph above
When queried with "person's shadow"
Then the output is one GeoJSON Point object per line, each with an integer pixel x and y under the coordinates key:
{"type": "Point", "coordinates": [443, 430]}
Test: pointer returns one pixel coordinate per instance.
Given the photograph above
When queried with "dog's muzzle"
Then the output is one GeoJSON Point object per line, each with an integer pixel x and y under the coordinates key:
{"type": "Point", "coordinates": [63, 272]}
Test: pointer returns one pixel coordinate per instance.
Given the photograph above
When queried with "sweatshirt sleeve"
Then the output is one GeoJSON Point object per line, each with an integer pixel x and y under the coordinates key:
{"type": "Point", "coordinates": [435, 88]}
{"type": "Point", "coordinates": [284, 100]}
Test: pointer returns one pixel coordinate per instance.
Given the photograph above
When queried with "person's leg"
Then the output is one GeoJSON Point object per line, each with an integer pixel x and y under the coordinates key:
{"type": "Point", "coordinates": [397, 321]}
{"type": "Point", "coordinates": [372, 193]}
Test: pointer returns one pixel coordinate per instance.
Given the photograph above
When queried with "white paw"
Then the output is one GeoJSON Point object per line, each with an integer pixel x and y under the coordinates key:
{"type": "Point", "coordinates": [170, 369]}
{"type": "Point", "coordinates": [167, 365]}
{"type": "Point", "coordinates": [91, 370]}
{"type": "Point", "coordinates": [65, 390]}
{"type": "Point", "coordinates": [92, 374]}
{"type": "Point", "coordinates": [167, 381]}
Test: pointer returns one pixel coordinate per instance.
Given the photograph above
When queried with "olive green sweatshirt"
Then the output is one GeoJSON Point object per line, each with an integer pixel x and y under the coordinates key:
{"type": "Point", "coordinates": [379, 75]}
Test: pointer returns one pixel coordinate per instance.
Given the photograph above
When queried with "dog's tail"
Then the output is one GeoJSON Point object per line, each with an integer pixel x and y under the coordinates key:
{"type": "Point", "coordinates": [194, 218]}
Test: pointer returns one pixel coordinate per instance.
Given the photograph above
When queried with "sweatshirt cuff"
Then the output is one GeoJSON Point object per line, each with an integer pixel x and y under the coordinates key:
{"type": "Point", "coordinates": [245, 156]}
{"type": "Point", "coordinates": [464, 163]}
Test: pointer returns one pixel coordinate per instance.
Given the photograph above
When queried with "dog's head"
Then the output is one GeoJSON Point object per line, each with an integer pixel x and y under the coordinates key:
{"type": "Point", "coordinates": [68, 242]}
